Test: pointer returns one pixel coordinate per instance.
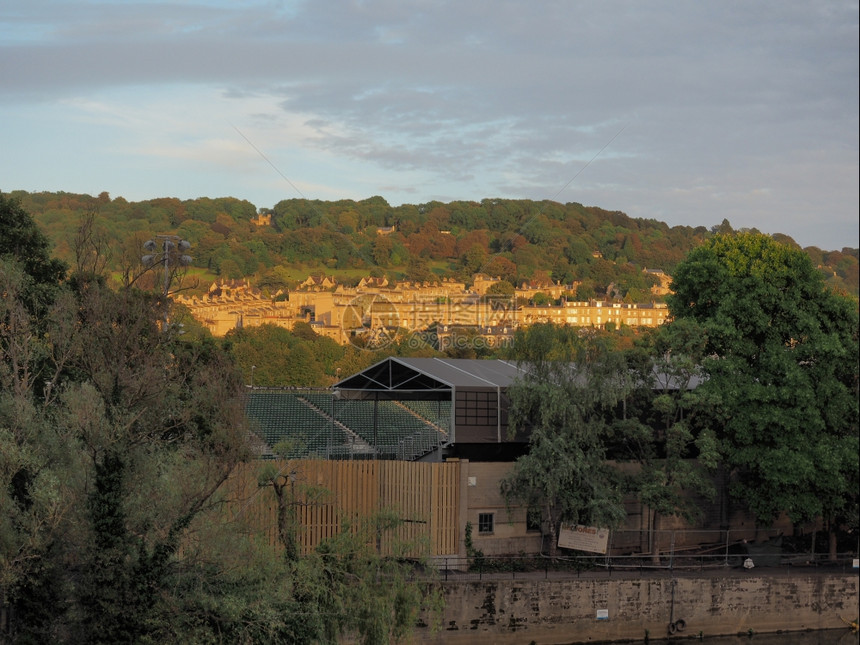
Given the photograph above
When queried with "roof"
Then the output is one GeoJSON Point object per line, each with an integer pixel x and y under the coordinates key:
{"type": "Point", "coordinates": [436, 378]}
{"type": "Point", "coordinates": [429, 377]}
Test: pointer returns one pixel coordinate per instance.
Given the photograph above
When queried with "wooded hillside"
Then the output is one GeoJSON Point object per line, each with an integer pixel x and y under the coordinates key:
{"type": "Point", "coordinates": [518, 240]}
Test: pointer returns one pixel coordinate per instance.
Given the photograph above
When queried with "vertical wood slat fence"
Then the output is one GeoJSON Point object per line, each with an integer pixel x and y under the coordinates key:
{"type": "Point", "coordinates": [423, 495]}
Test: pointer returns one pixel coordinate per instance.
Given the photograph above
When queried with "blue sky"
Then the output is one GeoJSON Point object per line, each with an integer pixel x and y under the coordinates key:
{"type": "Point", "coordinates": [685, 112]}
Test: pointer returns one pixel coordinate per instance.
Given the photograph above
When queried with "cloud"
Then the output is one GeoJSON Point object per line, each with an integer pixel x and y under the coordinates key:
{"type": "Point", "coordinates": [412, 99]}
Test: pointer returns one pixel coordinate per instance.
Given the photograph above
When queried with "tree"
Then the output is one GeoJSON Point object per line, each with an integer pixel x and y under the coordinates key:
{"type": "Point", "coordinates": [382, 250]}
{"type": "Point", "coordinates": [281, 357]}
{"type": "Point", "coordinates": [474, 258]}
{"type": "Point", "coordinates": [155, 418]}
{"type": "Point", "coordinates": [418, 270]}
{"type": "Point", "coordinates": [661, 424]}
{"type": "Point", "coordinates": [116, 434]}
{"type": "Point", "coordinates": [573, 382]}
{"type": "Point", "coordinates": [585, 291]}
{"type": "Point", "coordinates": [103, 412]}
{"type": "Point", "coordinates": [541, 299]}
{"type": "Point", "coordinates": [783, 372]}
{"type": "Point", "coordinates": [32, 491]}
{"type": "Point", "coordinates": [22, 242]}
{"type": "Point", "coordinates": [498, 266]}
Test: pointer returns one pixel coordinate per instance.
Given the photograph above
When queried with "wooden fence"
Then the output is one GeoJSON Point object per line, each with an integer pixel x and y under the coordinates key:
{"type": "Point", "coordinates": [423, 495]}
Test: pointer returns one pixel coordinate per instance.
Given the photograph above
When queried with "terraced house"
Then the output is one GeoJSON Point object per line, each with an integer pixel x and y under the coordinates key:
{"type": "Point", "coordinates": [374, 305]}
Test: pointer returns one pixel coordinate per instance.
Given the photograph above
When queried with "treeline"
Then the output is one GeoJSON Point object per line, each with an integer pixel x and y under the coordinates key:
{"type": "Point", "coordinates": [271, 356]}
{"type": "Point", "coordinates": [517, 240]}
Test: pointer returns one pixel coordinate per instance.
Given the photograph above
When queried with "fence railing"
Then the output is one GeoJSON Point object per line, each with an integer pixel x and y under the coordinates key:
{"type": "Point", "coordinates": [538, 566]}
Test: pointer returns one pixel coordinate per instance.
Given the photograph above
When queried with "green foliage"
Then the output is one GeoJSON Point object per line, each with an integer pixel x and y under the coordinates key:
{"type": "Point", "coordinates": [382, 250]}
{"type": "Point", "coordinates": [664, 424]}
{"type": "Point", "coordinates": [782, 373]}
{"type": "Point", "coordinates": [500, 288]}
{"type": "Point", "coordinates": [23, 242]}
{"type": "Point", "coordinates": [123, 414]}
{"type": "Point", "coordinates": [574, 380]}
{"type": "Point", "coordinates": [474, 258]}
{"type": "Point", "coordinates": [418, 270]}
{"type": "Point", "coordinates": [541, 299]}
{"type": "Point", "coordinates": [281, 357]}
{"type": "Point", "coordinates": [116, 434]}
{"type": "Point", "coordinates": [585, 292]}
{"type": "Point", "coordinates": [376, 596]}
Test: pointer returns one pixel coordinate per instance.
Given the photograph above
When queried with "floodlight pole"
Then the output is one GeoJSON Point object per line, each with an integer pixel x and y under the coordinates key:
{"type": "Point", "coordinates": [168, 243]}
{"type": "Point", "coordinates": [166, 254]}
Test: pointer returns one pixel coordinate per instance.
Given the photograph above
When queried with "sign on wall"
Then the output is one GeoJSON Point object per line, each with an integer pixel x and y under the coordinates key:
{"type": "Point", "coordinates": [583, 538]}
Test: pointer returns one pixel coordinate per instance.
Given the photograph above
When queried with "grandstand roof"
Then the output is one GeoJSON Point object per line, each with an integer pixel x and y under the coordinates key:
{"type": "Point", "coordinates": [427, 378]}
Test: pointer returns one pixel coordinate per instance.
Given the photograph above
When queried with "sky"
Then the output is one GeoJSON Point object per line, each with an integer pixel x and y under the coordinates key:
{"type": "Point", "coordinates": [684, 112]}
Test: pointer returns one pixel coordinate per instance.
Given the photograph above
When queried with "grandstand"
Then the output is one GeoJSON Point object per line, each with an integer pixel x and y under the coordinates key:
{"type": "Point", "coordinates": [396, 431]}
{"type": "Point", "coordinates": [473, 391]}
{"type": "Point", "coordinates": [283, 416]}
{"type": "Point", "coordinates": [315, 423]}
{"type": "Point", "coordinates": [400, 408]}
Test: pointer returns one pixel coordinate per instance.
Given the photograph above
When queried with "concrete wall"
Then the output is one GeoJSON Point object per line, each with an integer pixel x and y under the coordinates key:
{"type": "Point", "coordinates": [479, 493]}
{"type": "Point", "coordinates": [565, 611]}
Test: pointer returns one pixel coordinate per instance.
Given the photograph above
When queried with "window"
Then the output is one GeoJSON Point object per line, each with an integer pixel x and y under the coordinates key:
{"type": "Point", "coordinates": [485, 523]}
{"type": "Point", "coordinates": [476, 408]}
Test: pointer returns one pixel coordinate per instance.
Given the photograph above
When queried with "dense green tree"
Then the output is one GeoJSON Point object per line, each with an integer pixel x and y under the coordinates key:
{"type": "Point", "coordinates": [573, 382]}
{"type": "Point", "coordinates": [663, 425]}
{"type": "Point", "coordinates": [382, 250]}
{"type": "Point", "coordinates": [34, 344]}
{"type": "Point", "coordinates": [418, 270]}
{"type": "Point", "coordinates": [116, 433]}
{"type": "Point", "coordinates": [32, 495]}
{"type": "Point", "coordinates": [541, 299]}
{"type": "Point", "coordinates": [203, 209]}
{"type": "Point", "coordinates": [142, 403]}
{"type": "Point", "coordinates": [22, 241]}
{"type": "Point", "coordinates": [585, 291]}
{"type": "Point", "coordinates": [474, 258]}
{"type": "Point", "coordinates": [782, 368]}
{"type": "Point", "coordinates": [276, 357]}
{"type": "Point", "coordinates": [501, 288]}
{"type": "Point", "coordinates": [105, 412]}
{"type": "Point", "coordinates": [724, 228]}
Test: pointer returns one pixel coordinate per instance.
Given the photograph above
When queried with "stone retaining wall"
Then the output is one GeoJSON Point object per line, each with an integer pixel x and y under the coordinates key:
{"type": "Point", "coordinates": [566, 611]}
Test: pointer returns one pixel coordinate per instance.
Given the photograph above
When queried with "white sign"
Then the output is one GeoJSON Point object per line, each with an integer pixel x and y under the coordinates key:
{"type": "Point", "coordinates": [602, 614]}
{"type": "Point", "coordinates": [583, 538]}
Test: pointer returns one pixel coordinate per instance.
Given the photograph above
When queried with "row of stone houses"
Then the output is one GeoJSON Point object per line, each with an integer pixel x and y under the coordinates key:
{"type": "Point", "coordinates": [340, 312]}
